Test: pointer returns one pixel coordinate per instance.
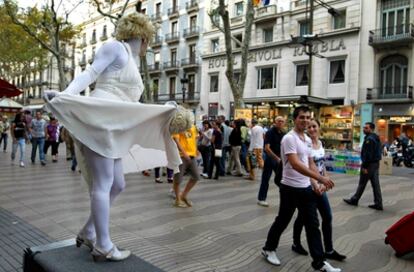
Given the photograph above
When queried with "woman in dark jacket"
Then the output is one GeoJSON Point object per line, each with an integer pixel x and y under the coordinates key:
{"type": "Point", "coordinates": [235, 141]}
{"type": "Point", "coordinates": [217, 142]}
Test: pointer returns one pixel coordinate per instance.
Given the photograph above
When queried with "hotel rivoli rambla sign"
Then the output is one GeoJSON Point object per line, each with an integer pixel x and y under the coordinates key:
{"type": "Point", "coordinates": [269, 54]}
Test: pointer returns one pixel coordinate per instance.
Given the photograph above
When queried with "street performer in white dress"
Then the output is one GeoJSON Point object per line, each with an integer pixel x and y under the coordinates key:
{"type": "Point", "coordinates": [114, 133]}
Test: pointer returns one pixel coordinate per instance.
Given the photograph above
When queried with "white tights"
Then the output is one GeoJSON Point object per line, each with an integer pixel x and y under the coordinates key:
{"type": "Point", "coordinates": [108, 182]}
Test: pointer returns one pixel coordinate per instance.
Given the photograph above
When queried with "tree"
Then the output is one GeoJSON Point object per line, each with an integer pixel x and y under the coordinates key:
{"type": "Point", "coordinates": [108, 9]}
{"type": "Point", "coordinates": [237, 86]}
{"type": "Point", "coordinates": [18, 51]}
{"type": "Point", "coordinates": [46, 27]}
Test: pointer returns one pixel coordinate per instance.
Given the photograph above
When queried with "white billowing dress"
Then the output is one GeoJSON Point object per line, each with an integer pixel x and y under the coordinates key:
{"type": "Point", "coordinates": [112, 122]}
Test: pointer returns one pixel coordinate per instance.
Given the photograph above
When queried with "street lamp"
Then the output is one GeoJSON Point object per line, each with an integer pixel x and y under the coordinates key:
{"type": "Point", "coordinates": [184, 80]}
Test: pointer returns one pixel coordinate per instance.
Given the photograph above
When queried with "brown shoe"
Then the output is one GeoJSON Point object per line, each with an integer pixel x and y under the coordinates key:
{"type": "Point", "coordinates": [180, 204]}
{"type": "Point", "coordinates": [188, 202]}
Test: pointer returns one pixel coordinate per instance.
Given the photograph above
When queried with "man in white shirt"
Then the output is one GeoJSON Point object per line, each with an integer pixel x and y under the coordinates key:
{"type": "Point", "coordinates": [296, 193]}
{"type": "Point", "coordinates": [256, 147]}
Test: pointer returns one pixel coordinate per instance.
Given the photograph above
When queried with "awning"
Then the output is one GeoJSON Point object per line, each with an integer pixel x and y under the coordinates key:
{"type": "Point", "coordinates": [300, 99]}
{"type": "Point", "coordinates": [8, 90]}
{"type": "Point", "coordinates": [8, 103]}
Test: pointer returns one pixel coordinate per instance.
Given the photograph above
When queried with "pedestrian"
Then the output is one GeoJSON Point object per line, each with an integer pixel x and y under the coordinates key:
{"type": "Point", "coordinates": [216, 151]}
{"type": "Point", "coordinates": [19, 136]}
{"type": "Point", "coordinates": [296, 192]}
{"type": "Point", "coordinates": [205, 146]}
{"type": "Point", "coordinates": [255, 148]}
{"type": "Point", "coordinates": [52, 138]}
{"type": "Point", "coordinates": [370, 157]}
{"type": "Point", "coordinates": [235, 141]}
{"type": "Point", "coordinates": [4, 132]}
{"type": "Point", "coordinates": [272, 162]}
{"type": "Point", "coordinates": [245, 137]}
{"type": "Point", "coordinates": [170, 174]}
{"type": "Point", "coordinates": [226, 149]}
{"type": "Point", "coordinates": [38, 134]}
{"type": "Point", "coordinates": [322, 202]}
{"type": "Point", "coordinates": [187, 145]}
{"type": "Point", "coordinates": [107, 137]}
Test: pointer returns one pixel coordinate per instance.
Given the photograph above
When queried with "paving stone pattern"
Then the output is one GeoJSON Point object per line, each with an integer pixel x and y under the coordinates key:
{"type": "Point", "coordinates": [224, 231]}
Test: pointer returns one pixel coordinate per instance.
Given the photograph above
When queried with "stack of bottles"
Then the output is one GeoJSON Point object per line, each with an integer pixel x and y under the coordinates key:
{"type": "Point", "coordinates": [346, 162]}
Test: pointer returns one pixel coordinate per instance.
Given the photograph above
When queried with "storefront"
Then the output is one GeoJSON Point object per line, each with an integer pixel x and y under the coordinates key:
{"type": "Point", "coordinates": [392, 120]}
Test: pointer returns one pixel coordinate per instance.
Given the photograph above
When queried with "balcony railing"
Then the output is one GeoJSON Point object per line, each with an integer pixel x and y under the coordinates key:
{"type": "Point", "coordinates": [156, 67]}
{"type": "Point", "coordinates": [265, 13]}
{"type": "Point", "coordinates": [191, 5]}
{"type": "Point", "coordinates": [187, 96]}
{"type": "Point", "coordinates": [191, 32]}
{"type": "Point", "coordinates": [156, 17]}
{"type": "Point", "coordinates": [392, 36]}
{"type": "Point", "coordinates": [391, 93]}
{"type": "Point", "coordinates": [171, 65]}
{"type": "Point", "coordinates": [173, 11]}
{"type": "Point", "coordinates": [172, 37]}
{"type": "Point", "coordinates": [189, 62]}
{"type": "Point", "coordinates": [157, 41]}
{"type": "Point", "coordinates": [298, 3]}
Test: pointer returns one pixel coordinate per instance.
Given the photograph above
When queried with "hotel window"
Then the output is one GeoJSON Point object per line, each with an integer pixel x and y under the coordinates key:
{"type": "Point", "coordinates": [268, 34]}
{"type": "Point", "coordinates": [216, 19]}
{"type": "Point", "coordinates": [339, 20]}
{"type": "Point", "coordinates": [337, 71]}
{"type": "Point", "coordinates": [104, 31]}
{"type": "Point", "coordinates": [192, 52]}
{"type": "Point", "coordinates": [172, 87]}
{"type": "Point", "coordinates": [158, 9]}
{"type": "Point", "coordinates": [266, 78]}
{"type": "Point", "coordinates": [215, 47]}
{"type": "Point", "coordinates": [193, 22]}
{"type": "Point", "coordinates": [173, 56]}
{"type": "Point", "coordinates": [174, 27]}
{"type": "Point", "coordinates": [238, 9]}
{"type": "Point", "coordinates": [238, 37]}
{"type": "Point", "coordinates": [214, 81]}
{"type": "Point", "coordinates": [302, 74]}
{"type": "Point", "coordinates": [236, 76]}
{"type": "Point", "coordinates": [304, 28]}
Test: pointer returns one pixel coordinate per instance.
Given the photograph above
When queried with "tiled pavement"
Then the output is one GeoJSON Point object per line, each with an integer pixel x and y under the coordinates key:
{"type": "Point", "coordinates": [224, 231]}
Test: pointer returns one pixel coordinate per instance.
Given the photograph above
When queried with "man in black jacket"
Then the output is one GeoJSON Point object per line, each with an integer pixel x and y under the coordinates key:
{"type": "Point", "coordinates": [370, 156]}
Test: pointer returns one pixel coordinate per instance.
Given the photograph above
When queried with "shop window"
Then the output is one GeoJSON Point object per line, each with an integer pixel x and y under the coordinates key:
{"type": "Point", "coordinates": [266, 78]}
{"type": "Point", "coordinates": [238, 9]}
{"type": "Point", "coordinates": [339, 20]}
{"type": "Point", "coordinates": [337, 71]}
{"type": "Point", "coordinates": [302, 74]}
{"type": "Point", "coordinates": [215, 46]}
{"type": "Point", "coordinates": [214, 81]}
{"type": "Point", "coordinates": [268, 34]}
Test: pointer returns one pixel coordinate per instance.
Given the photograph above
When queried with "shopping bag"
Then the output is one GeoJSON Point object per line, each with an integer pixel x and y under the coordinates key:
{"type": "Point", "coordinates": [217, 153]}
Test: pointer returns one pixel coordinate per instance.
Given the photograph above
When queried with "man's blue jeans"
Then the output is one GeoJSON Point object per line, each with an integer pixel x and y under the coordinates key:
{"type": "Point", "coordinates": [3, 138]}
{"type": "Point", "coordinates": [38, 142]}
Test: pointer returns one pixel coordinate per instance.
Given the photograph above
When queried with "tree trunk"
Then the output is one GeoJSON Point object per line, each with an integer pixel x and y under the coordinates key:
{"type": "Point", "coordinates": [147, 81]}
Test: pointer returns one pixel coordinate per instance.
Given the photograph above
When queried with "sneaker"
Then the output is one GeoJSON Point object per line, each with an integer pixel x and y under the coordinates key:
{"type": "Point", "coordinates": [335, 256]}
{"type": "Point", "coordinates": [43, 163]}
{"type": "Point", "coordinates": [329, 268]}
{"type": "Point", "coordinates": [158, 180]}
{"type": "Point", "coordinates": [21, 164]}
{"type": "Point", "coordinates": [262, 203]}
{"type": "Point", "coordinates": [299, 249]}
{"type": "Point", "coordinates": [376, 207]}
{"type": "Point", "coordinates": [271, 257]}
{"type": "Point", "coordinates": [204, 175]}
{"type": "Point", "coordinates": [350, 202]}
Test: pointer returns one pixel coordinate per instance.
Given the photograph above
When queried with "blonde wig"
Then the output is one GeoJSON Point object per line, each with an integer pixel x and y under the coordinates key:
{"type": "Point", "coordinates": [135, 25]}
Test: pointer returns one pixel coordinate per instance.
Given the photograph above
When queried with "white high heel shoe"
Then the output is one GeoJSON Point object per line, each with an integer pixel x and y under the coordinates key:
{"type": "Point", "coordinates": [81, 240]}
{"type": "Point", "coordinates": [100, 255]}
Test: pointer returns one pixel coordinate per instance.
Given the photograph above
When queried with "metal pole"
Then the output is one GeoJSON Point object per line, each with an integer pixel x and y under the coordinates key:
{"type": "Point", "coordinates": [310, 47]}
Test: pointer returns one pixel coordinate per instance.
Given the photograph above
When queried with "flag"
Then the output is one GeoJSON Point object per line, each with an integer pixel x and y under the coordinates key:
{"type": "Point", "coordinates": [256, 3]}
{"type": "Point", "coordinates": [265, 2]}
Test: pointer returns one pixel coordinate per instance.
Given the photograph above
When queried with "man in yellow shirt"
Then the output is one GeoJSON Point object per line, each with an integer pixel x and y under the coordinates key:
{"type": "Point", "coordinates": [187, 145]}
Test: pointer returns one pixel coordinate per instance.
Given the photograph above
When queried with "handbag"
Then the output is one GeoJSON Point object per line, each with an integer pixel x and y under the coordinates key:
{"type": "Point", "coordinates": [218, 153]}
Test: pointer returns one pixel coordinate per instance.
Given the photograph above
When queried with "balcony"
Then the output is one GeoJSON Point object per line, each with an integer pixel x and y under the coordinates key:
{"type": "Point", "coordinates": [264, 14]}
{"type": "Point", "coordinates": [171, 67]}
{"type": "Point", "coordinates": [237, 19]}
{"type": "Point", "coordinates": [188, 97]}
{"type": "Point", "coordinates": [391, 37]}
{"type": "Point", "coordinates": [156, 42]}
{"type": "Point", "coordinates": [173, 37]}
{"type": "Point", "coordinates": [192, 32]}
{"type": "Point", "coordinates": [154, 69]}
{"type": "Point", "coordinates": [156, 17]}
{"type": "Point", "coordinates": [190, 64]}
{"type": "Point", "coordinates": [173, 12]}
{"type": "Point", "coordinates": [191, 6]}
{"type": "Point", "coordinates": [391, 94]}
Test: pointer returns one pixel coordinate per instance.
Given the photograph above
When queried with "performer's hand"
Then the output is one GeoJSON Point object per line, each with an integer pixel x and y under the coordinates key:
{"type": "Point", "coordinates": [50, 94]}
{"type": "Point", "coordinates": [327, 181]}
